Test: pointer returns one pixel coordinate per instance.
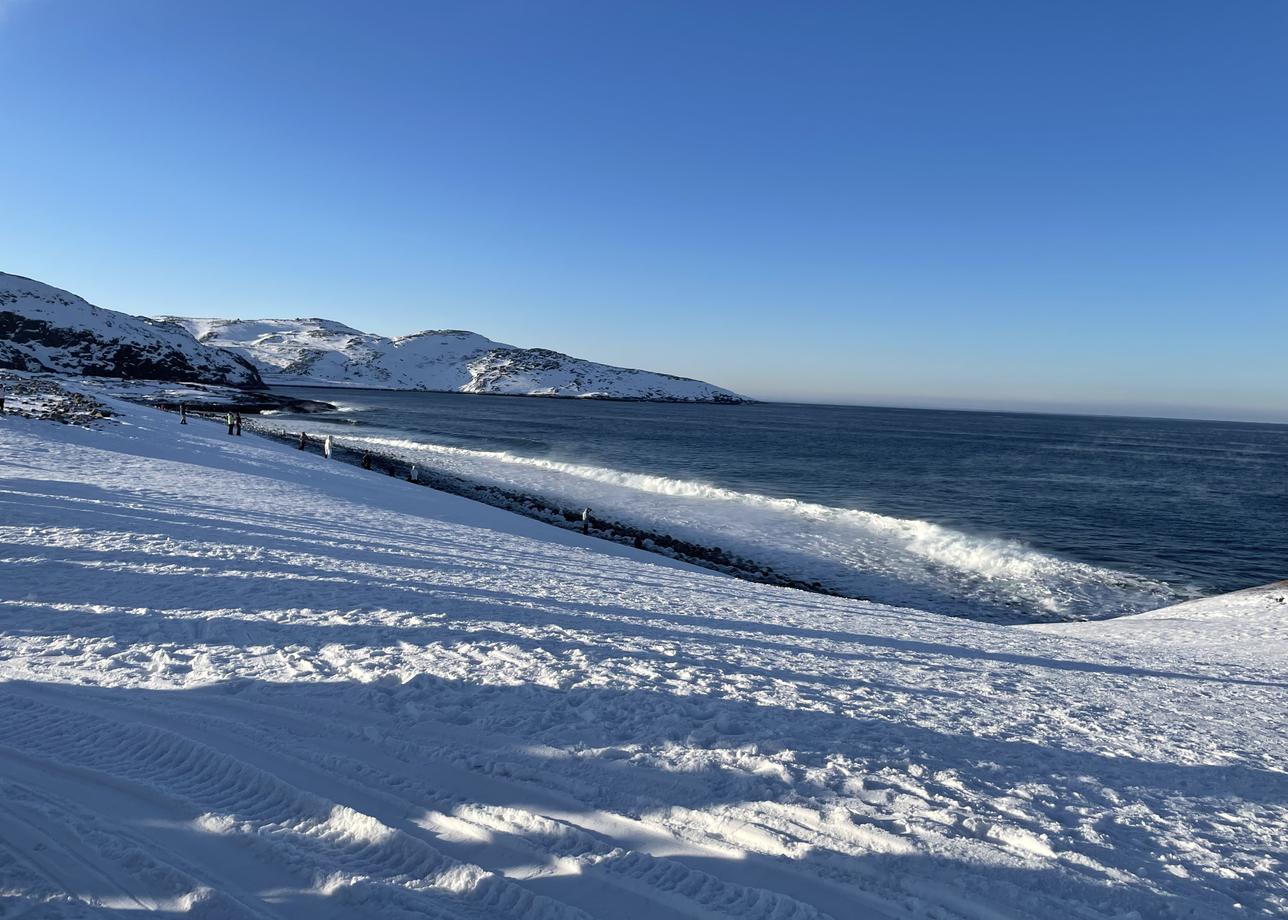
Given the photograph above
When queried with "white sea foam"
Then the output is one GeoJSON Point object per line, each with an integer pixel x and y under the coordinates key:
{"type": "Point", "coordinates": [858, 552]}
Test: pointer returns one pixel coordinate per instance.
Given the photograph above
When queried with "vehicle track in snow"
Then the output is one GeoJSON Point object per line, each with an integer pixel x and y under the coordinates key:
{"type": "Point", "coordinates": [171, 768]}
{"type": "Point", "coordinates": [236, 680]}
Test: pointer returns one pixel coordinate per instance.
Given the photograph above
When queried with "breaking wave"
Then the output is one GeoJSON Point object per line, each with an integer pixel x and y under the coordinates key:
{"type": "Point", "coordinates": [859, 553]}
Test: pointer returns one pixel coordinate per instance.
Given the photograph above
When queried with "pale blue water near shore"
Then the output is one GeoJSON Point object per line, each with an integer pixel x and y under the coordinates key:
{"type": "Point", "coordinates": [964, 512]}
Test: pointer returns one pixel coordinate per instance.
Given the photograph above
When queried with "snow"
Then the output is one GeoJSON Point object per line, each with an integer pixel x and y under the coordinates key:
{"type": "Point", "coordinates": [44, 328]}
{"type": "Point", "coordinates": [238, 680]}
{"type": "Point", "coordinates": [318, 352]}
{"type": "Point", "coordinates": [1252, 622]}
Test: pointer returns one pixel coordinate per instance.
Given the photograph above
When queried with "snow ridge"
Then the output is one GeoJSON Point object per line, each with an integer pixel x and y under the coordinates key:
{"type": "Point", "coordinates": [319, 352]}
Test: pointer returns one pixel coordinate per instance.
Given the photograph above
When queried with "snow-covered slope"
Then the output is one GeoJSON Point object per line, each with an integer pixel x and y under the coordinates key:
{"type": "Point", "coordinates": [1252, 622]}
{"type": "Point", "coordinates": [238, 680]}
{"type": "Point", "coordinates": [45, 328]}
{"type": "Point", "coordinates": [319, 352]}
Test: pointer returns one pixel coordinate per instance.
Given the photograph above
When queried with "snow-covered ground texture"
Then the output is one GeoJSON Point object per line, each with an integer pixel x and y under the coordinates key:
{"type": "Point", "coordinates": [1254, 620]}
{"type": "Point", "coordinates": [850, 551]}
{"type": "Point", "coordinates": [237, 680]}
{"type": "Point", "coordinates": [44, 328]}
{"type": "Point", "coordinates": [319, 352]}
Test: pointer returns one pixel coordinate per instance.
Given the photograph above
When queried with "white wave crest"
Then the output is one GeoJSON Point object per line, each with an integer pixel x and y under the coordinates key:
{"type": "Point", "coordinates": [896, 560]}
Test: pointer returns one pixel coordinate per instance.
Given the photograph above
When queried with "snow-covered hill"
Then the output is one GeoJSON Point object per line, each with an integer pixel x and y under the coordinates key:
{"type": "Point", "coordinates": [44, 328]}
{"type": "Point", "coordinates": [319, 352]}
{"type": "Point", "coordinates": [238, 680]}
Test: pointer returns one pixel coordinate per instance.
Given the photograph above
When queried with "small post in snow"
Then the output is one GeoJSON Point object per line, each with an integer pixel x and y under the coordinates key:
{"type": "Point", "coordinates": [229, 419]}
{"type": "Point", "coordinates": [304, 440]}
{"type": "Point", "coordinates": [585, 522]}
{"type": "Point", "coordinates": [326, 447]}
{"type": "Point", "coordinates": [183, 413]}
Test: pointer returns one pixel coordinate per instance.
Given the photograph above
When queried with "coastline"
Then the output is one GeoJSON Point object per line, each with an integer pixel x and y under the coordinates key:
{"type": "Point", "coordinates": [238, 667]}
{"type": "Point", "coordinates": [543, 509]}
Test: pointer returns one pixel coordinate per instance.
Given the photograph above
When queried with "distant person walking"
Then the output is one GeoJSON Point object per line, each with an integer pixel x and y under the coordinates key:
{"type": "Point", "coordinates": [183, 413]}
{"type": "Point", "coordinates": [585, 521]}
{"type": "Point", "coordinates": [230, 422]}
{"type": "Point", "coordinates": [304, 440]}
{"type": "Point", "coordinates": [366, 460]}
{"type": "Point", "coordinates": [413, 476]}
{"type": "Point", "coordinates": [326, 447]}
{"type": "Point", "coordinates": [237, 420]}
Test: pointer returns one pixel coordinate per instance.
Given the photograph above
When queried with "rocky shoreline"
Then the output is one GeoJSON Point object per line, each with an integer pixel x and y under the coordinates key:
{"type": "Point", "coordinates": [44, 398]}
{"type": "Point", "coordinates": [30, 397]}
{"type": "Point", "coordinates": [543, 509]}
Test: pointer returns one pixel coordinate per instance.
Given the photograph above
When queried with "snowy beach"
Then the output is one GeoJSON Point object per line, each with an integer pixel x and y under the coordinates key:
{"type": "Point", "coordinates": [239, 680]}
{"type": "Point", "coordinates": [1005, 517]}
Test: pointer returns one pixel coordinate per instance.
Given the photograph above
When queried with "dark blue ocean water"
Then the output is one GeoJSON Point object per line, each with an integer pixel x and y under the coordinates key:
{"type": "Point", "coordinates": [1072, 515]}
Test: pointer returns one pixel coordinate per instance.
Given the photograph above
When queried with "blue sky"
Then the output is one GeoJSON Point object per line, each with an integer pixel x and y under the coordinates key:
{"type": "Point", "coordinates": [1080, 206]}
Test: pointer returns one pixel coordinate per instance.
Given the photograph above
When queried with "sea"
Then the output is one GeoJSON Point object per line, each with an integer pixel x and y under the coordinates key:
{"type": "Point", "coordinates": [991, 515]}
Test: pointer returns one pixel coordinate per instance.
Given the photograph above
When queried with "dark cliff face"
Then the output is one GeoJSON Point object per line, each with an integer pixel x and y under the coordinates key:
{"type": "Point", "coordinates": [82, 351]}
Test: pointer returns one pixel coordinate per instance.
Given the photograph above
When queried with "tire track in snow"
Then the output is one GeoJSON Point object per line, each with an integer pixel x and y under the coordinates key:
{"type": "Point", "coordinates": [305, 830]}
{"type": "Point", "coordinates": [75, 865]}
{"type": "Point", "coordinates": [338, 850]}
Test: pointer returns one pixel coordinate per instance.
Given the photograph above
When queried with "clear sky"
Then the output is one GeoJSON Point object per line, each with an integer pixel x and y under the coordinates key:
{"type": "Point", "coordinates": [1076, 205]}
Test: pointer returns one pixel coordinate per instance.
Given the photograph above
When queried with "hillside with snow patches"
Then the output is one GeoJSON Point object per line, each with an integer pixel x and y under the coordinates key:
{"type": "Point", "coordinates": [44, 328]}
{"type": "Point", "coordinates": [240, 680]}
{"type": "Point", "coordinates": [319, 352]}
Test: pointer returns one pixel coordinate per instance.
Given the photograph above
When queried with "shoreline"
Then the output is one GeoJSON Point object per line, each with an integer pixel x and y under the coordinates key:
{"type": "Point", "coordinates": [542, 509]}
{"type": "Point", "coordinates": [708, 555]}
{"type": "Point", "coordinates": [753, 563]}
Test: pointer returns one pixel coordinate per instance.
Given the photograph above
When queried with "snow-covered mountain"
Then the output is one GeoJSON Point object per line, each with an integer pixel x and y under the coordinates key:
{"type": "Point", "coordinates": [44, 328]}
{"type": "Point", "coordinates": [319, 352]}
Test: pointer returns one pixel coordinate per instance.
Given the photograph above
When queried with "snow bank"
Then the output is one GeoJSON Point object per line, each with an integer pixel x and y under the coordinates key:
{"type": "Point", "coordinates": [237, 680]}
